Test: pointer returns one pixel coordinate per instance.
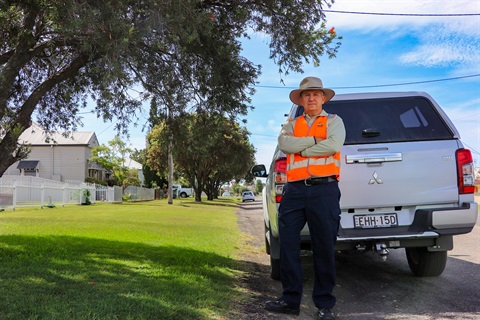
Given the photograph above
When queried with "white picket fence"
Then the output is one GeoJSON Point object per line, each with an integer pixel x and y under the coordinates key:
{"type": "Point", "coordinates": [139, 193]}
{"type": "Point", "coordinates": [108, 194]}
{"type": "Point", "coordinates": [26, 191]}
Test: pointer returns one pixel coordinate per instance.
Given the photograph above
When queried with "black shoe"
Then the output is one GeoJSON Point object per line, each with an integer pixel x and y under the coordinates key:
{"type": "Point", "coordinates": [281, 306]}
{"type": "Point", "coordinates": [325, 314]}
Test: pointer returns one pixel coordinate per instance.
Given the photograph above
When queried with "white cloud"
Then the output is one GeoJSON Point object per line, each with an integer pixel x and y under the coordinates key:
{"type": "Point", "coordinates": [388, 23]}
{"type": "Point", "coordinates": [440, 41]}
{"type": "Point", "coordinates": [443, 46]}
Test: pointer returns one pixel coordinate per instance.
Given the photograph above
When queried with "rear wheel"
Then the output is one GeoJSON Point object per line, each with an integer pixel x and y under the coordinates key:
{"type": "Point", "coordinates": [424, 263]}
{"type": "Point", "coordinates": [183, 195]}
{"type": "Point", "coordinates": [274, 263]}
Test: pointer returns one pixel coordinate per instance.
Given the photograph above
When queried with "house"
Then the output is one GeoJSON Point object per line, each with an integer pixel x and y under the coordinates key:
{"type": "Point", "coordinates": [132, 164]}
{"type": "Point", "coordinates": [57, 157]}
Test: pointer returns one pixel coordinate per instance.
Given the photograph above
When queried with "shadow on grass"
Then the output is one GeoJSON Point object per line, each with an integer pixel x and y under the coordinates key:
{"type": "Point", "coordinates": [189, 202]}
{"type": "Point", "coordinates": [216, 202]}
{"type": "Point", "coordinates": [61, 277]}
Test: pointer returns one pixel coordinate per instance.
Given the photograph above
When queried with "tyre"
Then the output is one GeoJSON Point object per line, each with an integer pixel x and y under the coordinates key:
{"type": "Point", "coordinates": [274, 263]}
{"type": "Point", "coordinates": [274, 268]}
{"type": "Point", "coordinates": [183, 195]}
{"type": "Point", "coordinates": [424, 263]}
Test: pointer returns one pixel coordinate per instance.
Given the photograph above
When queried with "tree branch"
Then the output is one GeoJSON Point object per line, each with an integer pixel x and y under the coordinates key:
{"type": "Point", "coordinates": [17, 60]}
{"type": "Point", "coordinates": [24, 116]}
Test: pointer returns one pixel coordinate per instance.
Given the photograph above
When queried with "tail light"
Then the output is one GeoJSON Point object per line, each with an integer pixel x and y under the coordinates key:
{"type": "Point", "coordinates": [465, 171]}
{"type": "Point", "coordinates": [280, 177]}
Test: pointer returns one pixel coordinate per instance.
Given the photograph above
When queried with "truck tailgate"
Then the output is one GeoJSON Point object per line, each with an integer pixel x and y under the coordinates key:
{"type": "Point", "coordinates": [399, 174]}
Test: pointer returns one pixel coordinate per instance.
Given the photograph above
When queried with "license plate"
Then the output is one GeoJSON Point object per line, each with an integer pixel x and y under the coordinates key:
{"type": "Point", "coordinates": [375, 220]}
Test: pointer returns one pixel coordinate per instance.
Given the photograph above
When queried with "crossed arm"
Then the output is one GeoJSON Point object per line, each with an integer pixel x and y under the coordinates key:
{"type": "Point", "coordinates": [313, 146]}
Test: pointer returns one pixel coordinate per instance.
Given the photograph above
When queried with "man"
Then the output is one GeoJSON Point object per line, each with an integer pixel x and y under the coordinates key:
{"type": "Point", "coordinates": [311, 195]}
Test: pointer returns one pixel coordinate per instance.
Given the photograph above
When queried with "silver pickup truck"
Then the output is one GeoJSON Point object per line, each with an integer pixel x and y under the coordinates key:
{"type": "Point", "coordinates": [406, 180]}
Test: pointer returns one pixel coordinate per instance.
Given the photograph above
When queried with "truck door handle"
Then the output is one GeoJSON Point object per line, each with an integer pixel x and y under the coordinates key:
{"type": "Point", "coordinates": [370, 133]}
{"type": "Point", "coordinates": [374, 158]}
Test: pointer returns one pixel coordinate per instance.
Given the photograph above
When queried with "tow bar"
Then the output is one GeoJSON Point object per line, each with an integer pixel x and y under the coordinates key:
{"type": "Point", "coordinates": [381, 249]}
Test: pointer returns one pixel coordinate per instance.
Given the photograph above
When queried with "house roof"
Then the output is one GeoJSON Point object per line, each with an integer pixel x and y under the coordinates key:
{"type": "Point", "coordinates": [37, 136]}
{"type": "Point", "coordinates": [132, 164]}
{"type": "Point", "coordinates": [94, 165]}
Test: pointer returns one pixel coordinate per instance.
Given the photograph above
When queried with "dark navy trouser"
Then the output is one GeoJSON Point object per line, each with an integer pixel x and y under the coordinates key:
{"type": "Point", "coordinates": [317, 205]}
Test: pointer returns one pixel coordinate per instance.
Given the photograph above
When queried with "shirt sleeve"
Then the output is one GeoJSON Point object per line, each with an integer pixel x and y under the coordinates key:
{"type": "Point", "coordinates": [332, 144]}
{"type": "Point", "coordinates": [290, 144]}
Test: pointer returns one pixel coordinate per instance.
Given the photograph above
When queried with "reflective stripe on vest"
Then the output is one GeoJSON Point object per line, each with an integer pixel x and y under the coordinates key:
{"type": "Point", "coordinates": [298, 167]}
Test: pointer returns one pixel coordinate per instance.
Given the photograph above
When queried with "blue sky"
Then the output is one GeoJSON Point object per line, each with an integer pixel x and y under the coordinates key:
{"type": "Point", "coordinates": [375, 50]}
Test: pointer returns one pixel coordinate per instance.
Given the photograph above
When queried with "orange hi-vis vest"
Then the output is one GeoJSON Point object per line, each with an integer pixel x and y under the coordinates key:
{"type": "Point", "coordinates": [300, 168]}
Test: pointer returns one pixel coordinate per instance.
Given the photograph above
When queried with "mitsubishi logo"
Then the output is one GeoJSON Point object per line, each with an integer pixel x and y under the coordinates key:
{"type": "Point", "coordinates": [375, 179]}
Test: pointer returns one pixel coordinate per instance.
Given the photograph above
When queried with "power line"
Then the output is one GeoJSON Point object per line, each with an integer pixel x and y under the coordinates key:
{"type": "Point", "coordinates": [407, 14]}
{"type": "Point", "coordinates": [467, 117]}
{"type": "Point", "coordinates": [409, 83]}
{"type": "Point", "coordinates": [383, 85]}
{"type": "Point", "coordinates": [471, 149]}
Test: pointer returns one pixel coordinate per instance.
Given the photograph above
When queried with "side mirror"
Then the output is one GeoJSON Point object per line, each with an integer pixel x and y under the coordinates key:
{"type": "Point", "coordinates": [259, 171]}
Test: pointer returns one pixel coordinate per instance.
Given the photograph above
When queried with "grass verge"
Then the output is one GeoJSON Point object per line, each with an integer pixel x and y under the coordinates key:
{"type": "Point", "coordinates": [145, 260]}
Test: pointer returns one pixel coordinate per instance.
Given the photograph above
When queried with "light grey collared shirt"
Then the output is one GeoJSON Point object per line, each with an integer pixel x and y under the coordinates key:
{"type": "Point", "coordinates": [306, 145]}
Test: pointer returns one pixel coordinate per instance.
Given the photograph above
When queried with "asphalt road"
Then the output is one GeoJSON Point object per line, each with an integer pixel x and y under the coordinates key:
{"type": "Point", "coordinates": [371, 289]}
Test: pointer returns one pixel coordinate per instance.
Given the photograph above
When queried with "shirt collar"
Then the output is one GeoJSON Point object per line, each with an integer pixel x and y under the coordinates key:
{"type": "Point", "coordinates": [322, 114]}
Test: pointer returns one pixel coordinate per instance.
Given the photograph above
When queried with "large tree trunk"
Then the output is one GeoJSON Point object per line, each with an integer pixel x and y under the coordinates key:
{"type": "Point", "coordinates": [198, 194]}
{"type": "Point", "coordinates": [11, 152]}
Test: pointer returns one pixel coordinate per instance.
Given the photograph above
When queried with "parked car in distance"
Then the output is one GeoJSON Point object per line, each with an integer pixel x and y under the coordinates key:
{"type": "Point", "coordinates": [179, 191]}
{"type": "Point", "coordinates": [226, 194]}
{"type": "Point", "coordinates": [406, 181]}
{"type": "Point", "coordinates": [248, 196]}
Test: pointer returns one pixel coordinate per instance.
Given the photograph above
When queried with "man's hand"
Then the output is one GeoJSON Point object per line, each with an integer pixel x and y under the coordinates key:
{"type": "Point", "coordinates": [318, 139]}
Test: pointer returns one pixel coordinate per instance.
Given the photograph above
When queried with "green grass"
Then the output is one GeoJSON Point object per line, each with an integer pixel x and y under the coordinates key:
{"type": "Point", "coordinates": [145, 260]}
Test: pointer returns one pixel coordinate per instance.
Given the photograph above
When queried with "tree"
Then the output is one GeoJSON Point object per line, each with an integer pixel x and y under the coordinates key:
{"type": "Point", "coordinates": [209, 149]}
{"type": "Point", "coordinates": [259, 186]}
{"type": "Point", "coordinates": [112, 158]}
{"type": "Point", "coordinates": [233, 155]}
{"type": "Point", "coordinates": [152, 179]}
{"type": "Point", "coordinates": [131, 178]}
{"type": "Point", "coordinates": [55, 55]}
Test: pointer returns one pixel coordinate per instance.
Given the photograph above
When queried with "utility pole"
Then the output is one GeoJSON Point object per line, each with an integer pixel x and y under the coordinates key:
{"type": "Point", "coordinates": [170, 157]}
{"type": "Point", "coordinates": [170, 169]}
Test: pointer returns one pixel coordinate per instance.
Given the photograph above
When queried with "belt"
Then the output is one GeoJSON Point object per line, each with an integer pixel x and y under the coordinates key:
{"type": "Point", "coordinates": [319, 180]}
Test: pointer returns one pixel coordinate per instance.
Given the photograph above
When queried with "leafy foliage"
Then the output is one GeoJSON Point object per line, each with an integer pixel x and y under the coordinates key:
{"type": "Point", "coordinates": [112, 158]}
{"type": "Point", "coordinates": [152, 179]}
{"type": "Point", "coordinates": [57, 55]}
{"type": "Point", "coordinates": [208, 149]}
{"type": "Point", "coordinates": [259, 187]}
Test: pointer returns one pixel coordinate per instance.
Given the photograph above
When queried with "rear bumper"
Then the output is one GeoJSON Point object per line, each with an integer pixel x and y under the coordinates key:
{"type": "Point", "coordinates": [428, 229]}
{"type": "Point", "coordinates": [427, 223]}
{"type": "Point", "coordinates": [431, 228]}
{"type": "Point", "coordinates": [446, 220]}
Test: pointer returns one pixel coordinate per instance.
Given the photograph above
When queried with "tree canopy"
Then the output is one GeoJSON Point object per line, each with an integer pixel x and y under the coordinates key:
{"type": "Point", "coordinates": [112, 158]}
{"type": "Point", "coordinates": [208, 150]}
{"type": "Point", "coordinates": [55, 56]}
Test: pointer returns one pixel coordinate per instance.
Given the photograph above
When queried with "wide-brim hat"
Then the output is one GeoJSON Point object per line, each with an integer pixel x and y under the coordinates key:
{"type": "Point", "coordinates": [310, 83]}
